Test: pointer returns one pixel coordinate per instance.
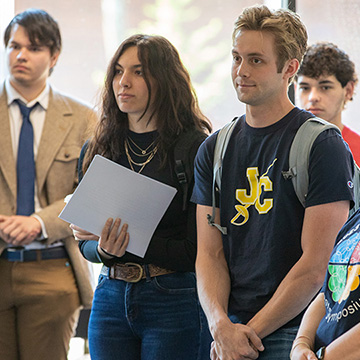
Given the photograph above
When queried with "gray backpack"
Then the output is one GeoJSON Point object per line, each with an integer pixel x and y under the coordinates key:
{"type": "Point", "coordinates": [298, 162]}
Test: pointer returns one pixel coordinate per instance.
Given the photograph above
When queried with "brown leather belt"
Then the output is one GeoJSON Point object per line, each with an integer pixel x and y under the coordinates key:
{"type": "Point", "coordinates": [133, 272]}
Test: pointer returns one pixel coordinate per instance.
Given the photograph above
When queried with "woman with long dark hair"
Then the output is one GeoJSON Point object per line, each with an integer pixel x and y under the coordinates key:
{"type": "Point", "coordinates": [147, 308]}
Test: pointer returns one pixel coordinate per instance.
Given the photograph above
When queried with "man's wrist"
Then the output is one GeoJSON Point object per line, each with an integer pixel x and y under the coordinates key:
{"type": "Point", "coordinates": [42, 235]}
{"type": "Point", "coordinates": [217, 324]}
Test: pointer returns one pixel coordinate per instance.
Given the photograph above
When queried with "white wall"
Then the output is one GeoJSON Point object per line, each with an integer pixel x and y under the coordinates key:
{"type": "Point", "coordinates": [200, 29]}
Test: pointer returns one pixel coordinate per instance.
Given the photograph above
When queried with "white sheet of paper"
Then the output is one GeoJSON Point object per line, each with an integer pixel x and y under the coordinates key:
{"type": "Point", "coordinates": [111, 190]}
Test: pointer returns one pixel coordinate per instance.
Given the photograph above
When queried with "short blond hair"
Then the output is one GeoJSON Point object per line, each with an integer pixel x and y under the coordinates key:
{"type": "Point", "coordinates": [289, 32]}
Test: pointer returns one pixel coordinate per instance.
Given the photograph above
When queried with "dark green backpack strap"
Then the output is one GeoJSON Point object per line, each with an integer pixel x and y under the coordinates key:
{"type": "Point", "coordinates": [185, 151]}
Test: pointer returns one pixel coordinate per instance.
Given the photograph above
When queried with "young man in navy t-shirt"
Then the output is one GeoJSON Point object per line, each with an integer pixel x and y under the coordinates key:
{"type": "Point", "coordinates": [255, 282]}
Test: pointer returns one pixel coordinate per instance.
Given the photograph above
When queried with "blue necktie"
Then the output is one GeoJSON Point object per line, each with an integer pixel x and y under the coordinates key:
{"type": "Point", "coordinates": [25, 167]}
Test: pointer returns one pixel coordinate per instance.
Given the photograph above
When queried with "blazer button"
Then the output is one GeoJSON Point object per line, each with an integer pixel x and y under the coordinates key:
{"type": "Point", "coordinates": [67, 156]}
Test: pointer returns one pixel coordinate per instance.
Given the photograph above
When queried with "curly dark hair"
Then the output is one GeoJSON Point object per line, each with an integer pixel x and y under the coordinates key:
{"type": "Point", "coordinates": [325, 58]}
{"type": "Point", "coordinates": [175, 105]}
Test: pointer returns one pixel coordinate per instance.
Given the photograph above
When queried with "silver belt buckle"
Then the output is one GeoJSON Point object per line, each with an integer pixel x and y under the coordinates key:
{"type": "Point", "coordinates": [18, 251]}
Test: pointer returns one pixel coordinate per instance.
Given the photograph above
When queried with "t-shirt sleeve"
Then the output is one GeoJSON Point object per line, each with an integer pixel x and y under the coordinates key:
{"type": "Point", "coordinates": [331, 169]}
{"type": "Point", "coordinates": [203, 172]}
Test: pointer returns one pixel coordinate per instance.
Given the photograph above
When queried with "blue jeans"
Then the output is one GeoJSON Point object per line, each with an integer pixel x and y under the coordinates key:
{"type": "Point", "coordinates": [278, 344]}
{"type": "Point", "coordinates": [159, 318]}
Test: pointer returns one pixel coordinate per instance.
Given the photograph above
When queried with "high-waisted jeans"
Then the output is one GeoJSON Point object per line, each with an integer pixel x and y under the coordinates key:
{"type": "Point", "coordinates": [158, 318]}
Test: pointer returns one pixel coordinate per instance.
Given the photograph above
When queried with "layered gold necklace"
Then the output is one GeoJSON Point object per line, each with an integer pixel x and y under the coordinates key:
{"type": "Point", "coordinates": [143, 153]}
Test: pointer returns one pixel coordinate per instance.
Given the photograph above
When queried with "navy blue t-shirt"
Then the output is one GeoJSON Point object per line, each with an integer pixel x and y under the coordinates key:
{"type": "Point", "coordinates": [259, 207]}
{"type": "Point", "coordinates": [342, 286]}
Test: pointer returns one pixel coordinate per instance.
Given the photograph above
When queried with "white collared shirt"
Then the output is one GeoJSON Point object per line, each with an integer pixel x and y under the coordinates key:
{"type": "Point", "coordinates": [37, 119]}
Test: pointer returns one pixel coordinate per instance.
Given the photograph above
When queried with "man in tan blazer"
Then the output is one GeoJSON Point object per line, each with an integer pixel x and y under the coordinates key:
{"type": "Point", "coordinates": [44, 280]}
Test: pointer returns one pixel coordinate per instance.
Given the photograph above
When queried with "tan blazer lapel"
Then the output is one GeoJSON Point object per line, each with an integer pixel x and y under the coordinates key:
{"type": "Point", "coordinates": [56, 127]}
{"type": "Point", "coordinates": [7, 161]}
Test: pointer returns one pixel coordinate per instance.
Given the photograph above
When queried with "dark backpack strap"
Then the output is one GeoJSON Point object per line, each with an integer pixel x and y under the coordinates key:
{"type": "Point", "coordinates": [183, 181]}
{"type": "Point", "coordinates": [81, 160]}
{"type": "Point", "coordinates": [185, 151]}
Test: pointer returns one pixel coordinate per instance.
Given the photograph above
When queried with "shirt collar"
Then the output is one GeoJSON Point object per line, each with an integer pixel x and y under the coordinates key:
{"type": "Point", "coordinates": [42, 99]}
